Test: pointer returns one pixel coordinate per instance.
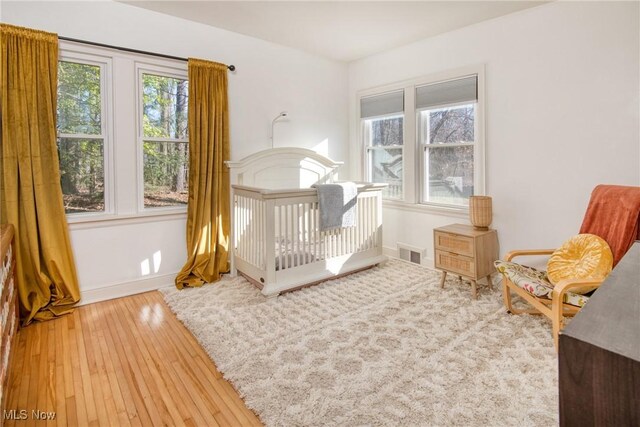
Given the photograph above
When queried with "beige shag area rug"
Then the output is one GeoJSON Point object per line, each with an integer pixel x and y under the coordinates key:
{"type": "Point", "coordinates": [383, 347]}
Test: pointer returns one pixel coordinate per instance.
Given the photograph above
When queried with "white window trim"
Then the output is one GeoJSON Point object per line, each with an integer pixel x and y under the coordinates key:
{"type": "Point", "coordinates": [163, 71]}
{"type": "Point", "coordinates": [67, 54]}
{"type": "Point", "coordinates": [423, 147]}
{"type": "Point", "coordinates": [124, 205]}
{"type": "Point", "coordinates": [413, 151]}
{"type": "Point", "coordinates": [366, 147]}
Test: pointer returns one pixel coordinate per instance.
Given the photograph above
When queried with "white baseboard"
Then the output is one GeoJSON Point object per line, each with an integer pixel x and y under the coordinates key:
{"type": "Point", "coordinates": [389, 251]}
{"type": "Point", "coordinates": [119, 290]}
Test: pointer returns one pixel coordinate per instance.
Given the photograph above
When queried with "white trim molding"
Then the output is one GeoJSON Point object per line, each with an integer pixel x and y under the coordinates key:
{"type": "Point", "coordinates": [119, 290]}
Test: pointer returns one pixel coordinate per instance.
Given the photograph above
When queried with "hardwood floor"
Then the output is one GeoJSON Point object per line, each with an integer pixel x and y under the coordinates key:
{"type": "Point", "coordinates": [127, 361]}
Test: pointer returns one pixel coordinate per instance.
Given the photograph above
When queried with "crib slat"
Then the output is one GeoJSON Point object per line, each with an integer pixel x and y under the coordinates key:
{"type": "Point", "coordinates": [235, 225]}
{"type": "Point", "coordinates": [304, 234]}
{"type": "Point", "coordinates": [256, 235]}
{"type": "Point", "coordinates": [367, 228]}
{"type": "Point", "coordinates": [280, 234]}
{"type": "Point", "coordinates": [343, 234]}
{"type": "Point", "coordinates": [256, 232]}
{"type": "Point", "coordinates": [245, 226]}
{"type": "Point", "coordinates": [334, 243]}
{"type": "Point", "coordinates": [247, 252]}
{"type": "Point", "coordinates": [238, 224]}
{"type": "Point", "coordinates": [242, 227]}
{"type": "Point", "coordinates": [296, 227]}
{"type": "Point", "coordinates": [294, 233]}
{"type": "Point", "coordinates": [260, 226]}
{"type": "Point", "coordinates": [310, 231]}
{"type": "Point", "coordinates": [314, 212]}
{"type": "Point", "coordinates": [301, 240]}
{"type": "Point", "coordinates": [360, 222]}
{"type": "Point", "coordinates": [372, 222]}
{"type": "Point", "coordinates": [243, 230]}
{"type": "Point", "coordinates": [352, 231]}
{"type": "Point", "coordinates": [285, 261]}
{"type": "Point", "coordinates": [365, 225]}
{"type": "Point", "coordinates": [300, 233]}
{"type": "Point", "coordinates": [250, 233]}
{"type": "Point", "coordinates": [322, 237]}
{"type": "Point", "coordinates": [250, 240]}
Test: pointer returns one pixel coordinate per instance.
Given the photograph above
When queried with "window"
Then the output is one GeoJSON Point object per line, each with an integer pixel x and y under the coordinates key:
{"type": "Point", "coordinates": [122, 134]}
{"type": "Point", "coordinates": [164, 134]}
{"type": "Point", "coordinates": [383, 122]}
{"type": "Point", "coordinates": [446, 118]}
{"type": "Point", "coordinates": [424, 138]}
{"type": "Point", "coordinates": [81, 135]}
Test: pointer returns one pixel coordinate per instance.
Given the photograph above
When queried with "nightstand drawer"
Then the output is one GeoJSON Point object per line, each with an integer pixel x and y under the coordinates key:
{"type": "Point", "coordinates": [455, 263]}
{"type": "Point", "coordinates": [462, 245]}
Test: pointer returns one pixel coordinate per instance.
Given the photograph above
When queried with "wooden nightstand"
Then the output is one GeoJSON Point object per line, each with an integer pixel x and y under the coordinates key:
{"type": "Point", "coordinates": [466, 252]}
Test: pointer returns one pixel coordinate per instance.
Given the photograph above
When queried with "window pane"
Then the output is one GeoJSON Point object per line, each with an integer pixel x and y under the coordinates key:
{"type": "Point", "coordinates": [385, 132]}
{"type": "Point", "coordinates": [82, 174]}
{"type": "Point", "coordinates": [166, 174]}
{"type": "Point", "coordinates": [165, 102]}
{"type": "Point", "coordinates": [79, 101]}
{"type": "Point", "coordinates": [449, 125]}
{"type": "Point", "coordinates": [386, 166]}
{"type": "Point", "coordinates": [450, 175]}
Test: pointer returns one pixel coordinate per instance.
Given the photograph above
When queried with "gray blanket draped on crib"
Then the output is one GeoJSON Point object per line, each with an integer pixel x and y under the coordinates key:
{"type": "Point", "coordinates": [337, 205]}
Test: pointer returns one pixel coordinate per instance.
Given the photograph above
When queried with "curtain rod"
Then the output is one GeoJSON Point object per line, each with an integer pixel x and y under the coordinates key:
{"type": "Point", "coordinates": [126, 49]}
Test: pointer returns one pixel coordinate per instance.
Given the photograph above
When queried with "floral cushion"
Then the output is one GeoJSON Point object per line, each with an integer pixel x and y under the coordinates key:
{"type": "Point", "coordinates": [535, 282]}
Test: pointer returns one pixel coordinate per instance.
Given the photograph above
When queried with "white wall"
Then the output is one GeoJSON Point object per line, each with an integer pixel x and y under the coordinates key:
{"type": "Point", "coordinates": [111, 256]}
{"type": "Point", "coordinates": [562, 99]}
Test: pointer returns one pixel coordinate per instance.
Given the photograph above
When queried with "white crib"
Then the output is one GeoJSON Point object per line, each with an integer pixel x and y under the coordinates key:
{"type": "Point", "coordinates": [276, 241]}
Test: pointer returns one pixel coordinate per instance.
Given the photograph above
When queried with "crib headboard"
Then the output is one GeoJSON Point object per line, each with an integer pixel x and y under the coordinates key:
{"type": "Point", "coordinates": [283, 168]}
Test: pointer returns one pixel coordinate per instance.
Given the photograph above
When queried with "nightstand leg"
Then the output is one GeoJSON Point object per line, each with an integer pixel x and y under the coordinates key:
{"type": "Point", "coordinates": [474, 289]}
{"type": "Point", "coordinates": [444, 276]}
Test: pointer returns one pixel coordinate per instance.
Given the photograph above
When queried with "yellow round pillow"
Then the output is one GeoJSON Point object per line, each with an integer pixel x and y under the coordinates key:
{"type": "Point", "coordinates": [581, 257]}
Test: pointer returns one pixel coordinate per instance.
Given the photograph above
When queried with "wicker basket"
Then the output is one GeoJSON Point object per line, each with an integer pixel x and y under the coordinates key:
{"type": "Point", "coordinates": [480, 212]}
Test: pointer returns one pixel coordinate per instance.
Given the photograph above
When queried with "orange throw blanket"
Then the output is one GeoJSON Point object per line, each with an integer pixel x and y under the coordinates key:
{"type": "Point", "coordinates": [614, 215]}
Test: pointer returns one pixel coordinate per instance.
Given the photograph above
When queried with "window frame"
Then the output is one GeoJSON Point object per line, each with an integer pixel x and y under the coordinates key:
{"type": "Point", "coordinates": [368, 148]}
{"type": "Point", "coordinates": [69, 54]}
{"type": "Point", "coordinates": [413, 153]}
{"type": "Point", "coordinates": [423, 147]}
{"type": "Point", "coordinates": [121, 147]}
{"type": "Point", "coordinates": [141, 68]}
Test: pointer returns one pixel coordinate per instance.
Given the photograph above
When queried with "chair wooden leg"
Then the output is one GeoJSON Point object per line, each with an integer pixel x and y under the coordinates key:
{"type": "Point", "coordinates": [557, 318]}
{"type": "Point", "coordinates": [474, 289]}
{"type": "Point", "coordinates": [506, 295]}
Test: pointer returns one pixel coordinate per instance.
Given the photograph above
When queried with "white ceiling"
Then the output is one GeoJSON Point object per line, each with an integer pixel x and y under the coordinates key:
{"type": "Point", "coordinates": [341, 30]}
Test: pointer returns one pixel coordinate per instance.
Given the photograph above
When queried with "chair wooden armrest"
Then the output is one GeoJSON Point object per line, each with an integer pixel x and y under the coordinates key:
{"type": "Point", "coordinates": [557, 297]}
{"type": "Point", "coordinates": [527, 252]}
{"type": "Point", "coordinates": [564, 286]}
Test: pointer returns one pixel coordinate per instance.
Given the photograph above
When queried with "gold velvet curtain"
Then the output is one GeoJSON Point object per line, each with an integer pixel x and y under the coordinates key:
{"type": "Point", "coordinates": [30, 193]}
{"type": "Point", "coordinates": [208, 206]}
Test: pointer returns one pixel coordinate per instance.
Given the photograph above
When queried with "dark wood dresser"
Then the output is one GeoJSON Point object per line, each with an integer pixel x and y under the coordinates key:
{"type": "Point", "coordinates": [599, 353]}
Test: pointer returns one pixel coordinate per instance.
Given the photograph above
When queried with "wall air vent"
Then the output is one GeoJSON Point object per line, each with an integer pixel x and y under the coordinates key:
{"type": "Point", "coordinates": [410, 253]}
